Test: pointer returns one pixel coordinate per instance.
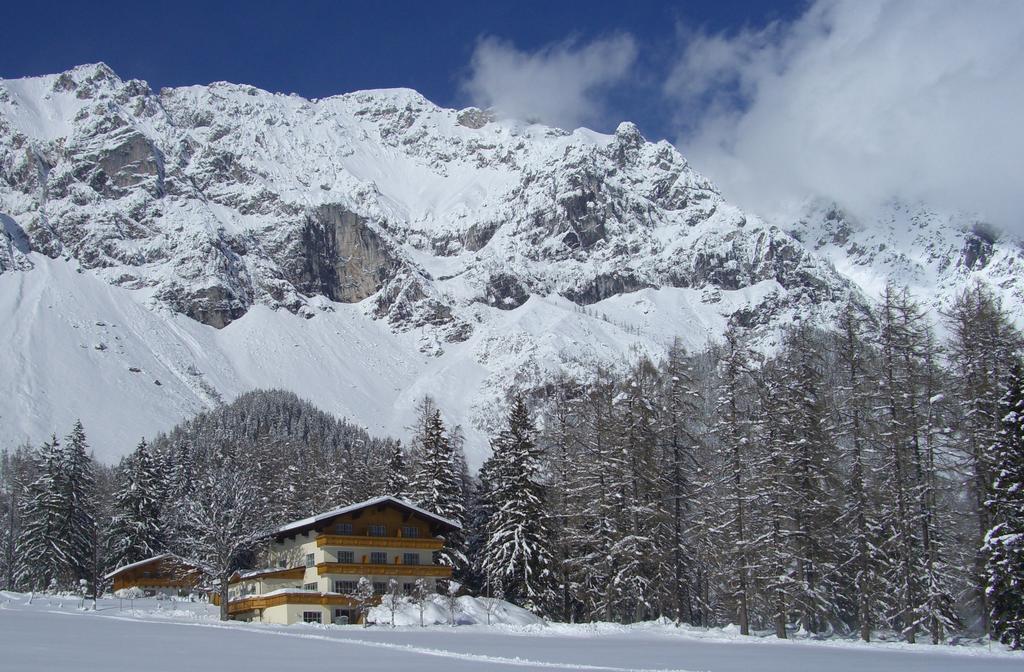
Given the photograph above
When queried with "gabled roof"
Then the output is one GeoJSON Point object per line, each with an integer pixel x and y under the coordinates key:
{"type": "Point", "coordinates": [308, 523]}
{"type": "Point", "coordinates": [140, 563]}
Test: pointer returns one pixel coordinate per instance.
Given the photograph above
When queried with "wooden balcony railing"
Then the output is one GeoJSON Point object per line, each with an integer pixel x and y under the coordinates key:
{"type": "Point", "coordinates": [249, 603]}
{"type": "Point", "coordinates": [366, 569]}
{"type": "Point", "coordinates": [429, 544]}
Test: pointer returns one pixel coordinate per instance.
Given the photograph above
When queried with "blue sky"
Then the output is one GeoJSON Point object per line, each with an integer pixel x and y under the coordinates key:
{"type": "Point", "coordinates": [858, 101]}
{"type": "Point", "coordinates": [318, 49]}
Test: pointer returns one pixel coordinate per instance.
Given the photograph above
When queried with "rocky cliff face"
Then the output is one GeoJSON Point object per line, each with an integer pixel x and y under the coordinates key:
{"type": "Point", "coordinates": [507, 250]}
{"type": "Point", "coordinates": [218, 198]}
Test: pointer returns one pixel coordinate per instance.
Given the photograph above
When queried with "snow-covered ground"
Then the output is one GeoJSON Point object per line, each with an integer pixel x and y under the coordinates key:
{"type": "Point", "coordinates": [54, 634]}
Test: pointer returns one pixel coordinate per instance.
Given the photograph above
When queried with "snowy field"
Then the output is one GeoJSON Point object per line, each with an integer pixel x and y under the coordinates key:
{"type": "Point", "coordinates": [53, 634]}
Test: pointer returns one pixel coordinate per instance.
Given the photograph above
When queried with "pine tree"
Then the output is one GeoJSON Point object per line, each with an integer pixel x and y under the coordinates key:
{"type": "Point", "coordinates": [916, 573]}
{"type": "Point", "coordinates": [517, 551]}
{"type": "Point", "coordinates": [774, 556]}
{"type": "Point", "coordinates": [42, 554]}
{"type": "Point", "coordinates": [641, 565]}
{"type": "Point", "coordinates": [79, 526]}
{"type": "Point", "coordinates": [136, 532]}
{"type": "Point", "coordinates": [856, 439]}
{"type": "Point", "coordinates": [982, 340]}
{"type": "Point", "coordinates": [15, 475]}
{"type": "Point", "coordinates": [937, 608]}
{"type": "Point", "coordinates": [597, 488]}
{"type": "Point", "coordinates": [437, 485]}
{"type": "Point", "coordinates": [898, 347]}
{"type": "Point", "coordinates": [7, 524]}
{"type": "Point", "coordinates": [733, 430]}
{"type": "Point", "coordinates": [396, 481]}
{"type": "Point", "coordinates": [562, 460]}
{"type": "Point", "coordinates": [1004, 543]}
{"type": "Point", "coordinates": [810, 479]}
{"type": "Point", "coordinates": [679, 429]}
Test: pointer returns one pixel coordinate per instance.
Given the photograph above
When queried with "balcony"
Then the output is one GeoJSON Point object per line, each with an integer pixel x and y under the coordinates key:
{"type": "Point", "coordinates": [367, 569]}
{"type": "Point", "coordinates": [379, 542]}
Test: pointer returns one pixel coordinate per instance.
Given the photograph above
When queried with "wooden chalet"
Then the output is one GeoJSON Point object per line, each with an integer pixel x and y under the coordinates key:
{"type": "Point", "coordinates": [164, 574]}
{"type": "Point", "coordinates": [315, 563]}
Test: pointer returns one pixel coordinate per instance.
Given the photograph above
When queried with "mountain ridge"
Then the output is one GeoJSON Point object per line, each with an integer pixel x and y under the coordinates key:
{"type": "Point", "coordinates": [476, 253]}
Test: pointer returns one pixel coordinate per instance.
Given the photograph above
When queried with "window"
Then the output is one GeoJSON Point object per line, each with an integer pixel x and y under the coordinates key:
{"type": "Point", "coordinates": [309, 586]}
{"type": "Point", "coordinates": [343, 528]}
{"type": "Point", "coordinates": [376, 531]}
{"type": "Point", "coordinates": [310, 561]}
{"type": "Point", "coordinates": [312, 617]}
{"type": "Point", "coordinates": [410, 558]}
{"type": "Point", "coordinates": [407, 588]}
{"type": "Point", "coordinates": [379, 587]}
{"type": "Point", "coordinates": [378, 558]}
{"type": "Point", "coordinates": [346, 557]}
{"type": "Point", "coordinates": [410, 532]}
{"type": "Point", "coordinates": [345, 587]}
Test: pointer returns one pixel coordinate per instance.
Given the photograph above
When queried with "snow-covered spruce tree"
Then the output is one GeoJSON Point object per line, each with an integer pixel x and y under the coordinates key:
{"type": "Point", "coordinates": [396, 482]}
{"type": "Point", "coordinates": [855, 435]}
{"type": "Point", "coordinates": [982, 340]}
{"type": "Point", "coordinates": [460, 467]}
{"type": "Point", "coordinates": [477, 514]}
{"type": "Point", "coordinates": [15, 475]}
{"type": "Point", "coordinates": [135, 532]}
{"type": "Point", "coordinates": [79, 525]}
{"type": "Point", "coordinates": [8, 518]}
{"type": "Point", "coordinates": [1004, 543]}
{"type": "Point", "coordinates": [42, 553]}
{"type": "Point", "coordinates": [221, 520]}
{"type": "Point", "coordinates": [419, 430]}
{"type": "Point", "coordinates": [179, 469]}
{"type": "Point", "coordinates": [437, 486]}
{"type": "Point", "coordinates": [518, 546]}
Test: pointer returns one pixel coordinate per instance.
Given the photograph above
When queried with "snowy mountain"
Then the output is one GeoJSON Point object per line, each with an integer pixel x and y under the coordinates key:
{"type": "Point", "coordinates": [936, 254]}
{"type": "Point", "coordinates": [166, 250]}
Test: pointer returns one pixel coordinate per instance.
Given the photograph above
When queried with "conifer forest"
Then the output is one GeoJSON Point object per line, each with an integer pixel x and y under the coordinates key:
{"type": "Point", "coordinates": [862, 477]}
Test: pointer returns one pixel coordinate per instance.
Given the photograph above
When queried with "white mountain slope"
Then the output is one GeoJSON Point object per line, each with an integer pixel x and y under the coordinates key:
{"type": "Point", "coordinates": [361, 250]}
{"type": "Point", "coordinates": [935, 254]}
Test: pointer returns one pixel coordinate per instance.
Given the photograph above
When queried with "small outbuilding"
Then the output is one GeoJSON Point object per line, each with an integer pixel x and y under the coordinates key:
{"type": "Point", "coordinates": [164, 574]}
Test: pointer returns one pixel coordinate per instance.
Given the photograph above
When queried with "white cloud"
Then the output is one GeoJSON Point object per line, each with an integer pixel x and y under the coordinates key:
{"type": "Point", "coordinates": [864, 100]}
{"type": "Point", "coordinates": [562, 84]}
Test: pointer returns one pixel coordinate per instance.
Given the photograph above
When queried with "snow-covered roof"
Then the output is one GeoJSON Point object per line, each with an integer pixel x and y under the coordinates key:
{"type": "Point", "coordinates": [313, 520]}
{"type": "Point", "coordinates": [256, 573]}
{"type": "Point", "coordinates": [140, 563]}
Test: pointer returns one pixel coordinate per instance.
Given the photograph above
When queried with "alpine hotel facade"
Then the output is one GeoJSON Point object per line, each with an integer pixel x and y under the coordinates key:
{"type": "Point", "coordinates": [316, 563]}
